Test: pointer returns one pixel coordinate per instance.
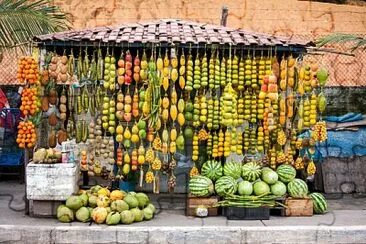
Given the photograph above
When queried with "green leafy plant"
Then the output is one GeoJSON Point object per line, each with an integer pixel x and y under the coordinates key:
{"type": "Point", "coordinates": [358, 42]}
{"type": "Point", "coordinates": [21, 20]}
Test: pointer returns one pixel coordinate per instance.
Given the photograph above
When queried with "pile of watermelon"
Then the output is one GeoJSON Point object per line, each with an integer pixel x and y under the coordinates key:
{"type": "Point", "coordinates": [251, 179]}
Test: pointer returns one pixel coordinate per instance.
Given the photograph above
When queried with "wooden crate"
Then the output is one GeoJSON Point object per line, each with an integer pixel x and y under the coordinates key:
{"type": "Point", "coordinates": [194, 202]}
{"type": "Point", "coordinates": [43, 209]}
{"type": "Point", "coordinates": [299, 207]}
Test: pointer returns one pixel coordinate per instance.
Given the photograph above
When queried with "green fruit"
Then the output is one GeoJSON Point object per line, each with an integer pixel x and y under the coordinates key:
{"type": "Point", "coordinates": [142, 134]}
{"type": "Point", "coordinates": [320, 204]}
{"type": "Point", "coordinates": [269, 176]}
{"type": "Point", "coordinates": [278, 188]}
{"type": "Point", "coordinates": [83, 214]}
{"type": "Point", "coordinates": [251, 171]}
{"type": "Point", "coordinates": [232, 169]}
{"type": "Point", "coordinates": [297, 188]}
{"type": "Point", "coordinates": [113, 218]}
{"type": "Point", "coordinates": [65, 214]}
{"type": "Point", "coordinates": [201, 186]}
{"type": "Point", "coordinates": [212, 169]}
{"type": "Point", "coordinates": [127, 217]}
{"type": "Point", "coordinates": [131, 201]}
{"type": "Point", "coordinates": [188, 133]}
{"type": "Point", "coordinates": [286, 173]}
{"type": "Point", "coordinates": [141, 125]}
{"type": "Point", "coordinates": [74, 202]}
{"type": "Point", "coordinates": [226, 185]}
{"type": "Point", "coordinates": [245, 188]}
{"type": "Point", "coordinates": [189, 107]}
{"type": "Point", "coordinates": [260, 188]}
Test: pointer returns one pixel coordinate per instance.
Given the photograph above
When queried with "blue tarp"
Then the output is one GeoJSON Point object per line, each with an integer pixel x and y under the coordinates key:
{"type": "Point", "coordinates": [341, 143]}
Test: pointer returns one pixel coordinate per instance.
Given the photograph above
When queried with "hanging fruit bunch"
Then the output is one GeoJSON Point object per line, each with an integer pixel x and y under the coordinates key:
{"type": "Point", "coordinates": [27, 135]}
{"type": "Point", "coordinates": [27, 70]}
{"type": "Point", "coordinates": [30, 102]}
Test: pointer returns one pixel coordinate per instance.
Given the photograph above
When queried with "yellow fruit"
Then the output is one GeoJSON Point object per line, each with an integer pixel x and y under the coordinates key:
{"type": "Point", "coordinates": [117, 195]}
{"type": "Point", "coordinates": [135, 138]}
{"type": "Point", "coordinates": [104, 192]}
{"type": "Point", "coordinates": [165, 83]}
{"type": "Point", "coordinates": [126, 158]}
{"type": "Point", "coordinates": [173, 134]}
{"type": "Point", "coordinates": [165, 114]}
{"type": "Point", "coordinates": [181, 119]}
{"type": "Point", "coordinates": [141, 159]}
{"type": "Point", "coordinates": [173, 112]}
{"type": "Point", "coordinates": [126, 169]}
{"type": "Point", "coordinates": [165, 102]}
{"type": "Point", "coordinates": [127, 133]}
{"type": "Point", "coordinates": [174, 75]}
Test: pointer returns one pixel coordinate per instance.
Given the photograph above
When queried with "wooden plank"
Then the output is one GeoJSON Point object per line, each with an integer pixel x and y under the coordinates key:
{"type": "Point", "coordinates": [299, 207]}
{"type": "Point", "coordinates": [194, 202]}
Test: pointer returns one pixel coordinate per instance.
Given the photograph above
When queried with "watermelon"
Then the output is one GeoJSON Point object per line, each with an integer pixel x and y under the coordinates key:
{"type": "Point", "coordinates": [269, 176]}
{"type": "Point", "coordinates": [212, 169]}
{"type": "Point", "coordinates": [278, 188]}
{"type": "Point", "coordinates": [232, 169]}
{"type": "Point", "coordinates": [297, 188]}
{"type": "Point", "coordinates": [245, 188]}
{"type": "Point", "coordinates": [226, 185]}
{"type": "Point", "coordinates": [286, 173]}
{"type": "Point", "coordinates": [251, 171]}
{"type": "Point", "coordinates": [260, 188]}
{"type": "Point", "coordinates": [201, 186]}
{"type": "Point", "coordinates": [320, 204]}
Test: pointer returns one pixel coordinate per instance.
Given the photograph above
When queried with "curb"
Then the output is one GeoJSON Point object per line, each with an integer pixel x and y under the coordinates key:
{"type": "Point", "coordinates": [166, 234]}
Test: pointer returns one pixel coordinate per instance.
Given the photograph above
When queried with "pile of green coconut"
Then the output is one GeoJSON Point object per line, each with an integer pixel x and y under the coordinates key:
{"type": "Point", "coordinates": [102, 206]}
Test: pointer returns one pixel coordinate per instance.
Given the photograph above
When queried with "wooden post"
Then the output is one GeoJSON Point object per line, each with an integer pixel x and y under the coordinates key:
{"type": "Point", "coordinates": [224, 14]}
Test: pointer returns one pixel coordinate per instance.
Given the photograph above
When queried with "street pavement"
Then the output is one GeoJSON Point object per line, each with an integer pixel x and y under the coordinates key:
{"type": "Point", "coordinates": [344, 223]}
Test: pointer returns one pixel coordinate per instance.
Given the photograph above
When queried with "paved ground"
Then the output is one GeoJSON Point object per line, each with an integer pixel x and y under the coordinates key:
{"type": "Point", "coordinates": [346, 222]}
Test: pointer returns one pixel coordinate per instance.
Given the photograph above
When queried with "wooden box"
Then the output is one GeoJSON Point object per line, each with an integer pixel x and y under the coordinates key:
{"type": "Point", "coordinates": [43, 209]}
{"type": "Point", "coordinates": [299, 207]}
{"type": "Point", "coordinates": [194, 202]}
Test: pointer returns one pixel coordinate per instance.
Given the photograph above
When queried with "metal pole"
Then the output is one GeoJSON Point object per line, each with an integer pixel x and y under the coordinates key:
{"type": "Point", "coordinates": [224, 14]}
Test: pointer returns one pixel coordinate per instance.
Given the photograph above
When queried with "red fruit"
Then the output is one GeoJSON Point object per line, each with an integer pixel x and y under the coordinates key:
{"type": "Point", "coordinates": [128, 56]}
{"type": "Point", "coordinates": [134, 167]}
{"type": "Point", "coordinates": [128, 72]}
{"type": "Point", "coordinates": [128, 65]}
{"type": "Point", "coordinates": [128, 80]}
{"type": "Point", "coordinates": [272, 88]}
{"type": "Point", "coordinates": [264, 87]}
{"type": "Point", "coordinates": [136, 61]}
{"type": "Point", "coordinates": [266, 80]}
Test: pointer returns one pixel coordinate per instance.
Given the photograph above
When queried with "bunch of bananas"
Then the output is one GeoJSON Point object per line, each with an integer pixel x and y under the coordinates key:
{"type": "Point", "coordinates": [194, 171]}
{"type": "Point", "coordinates": [156, 164]}
{"type": "Point", "coordinates": [299, 163]}
{"type": "Point", "coordinates": [203, 135]}
{"type": "Point", "coordinates": [195, 147]}
{"type": "Point", "coordinates": [281, 138]}
{"type": "Point", "coordinates": [281, 157]}
{"type": "Point", "coordinates": [311, 169]}
{"type": "Point", "coordinates": [197, 73]}
{"type": "Point", "coordinates": [150, 155]}
{"type": "Point", "coordinates": [157, 143]}
{"type": "Point", "coordinates": [149, 177]}
{"type": "Point", "coordinates": [299, 143]}
{"type": "Point", "coordinates": [289, 156]}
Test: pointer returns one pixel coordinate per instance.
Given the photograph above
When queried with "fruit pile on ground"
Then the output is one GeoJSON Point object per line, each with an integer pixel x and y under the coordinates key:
{"type": "Point", "coordinates": [255, 181]}
{"type": "Point", "coordinates": [102, 206]}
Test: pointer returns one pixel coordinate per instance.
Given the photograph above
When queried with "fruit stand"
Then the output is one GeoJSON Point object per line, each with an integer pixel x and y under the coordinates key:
{"type": "Point", "coordinates": [239, 111]}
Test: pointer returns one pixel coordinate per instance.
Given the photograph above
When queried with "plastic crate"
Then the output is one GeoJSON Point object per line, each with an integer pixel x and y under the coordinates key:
{"type": "Point", "coordinates": [238, 213]}
{"type": "Point", "coordinates": [9, 159]}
